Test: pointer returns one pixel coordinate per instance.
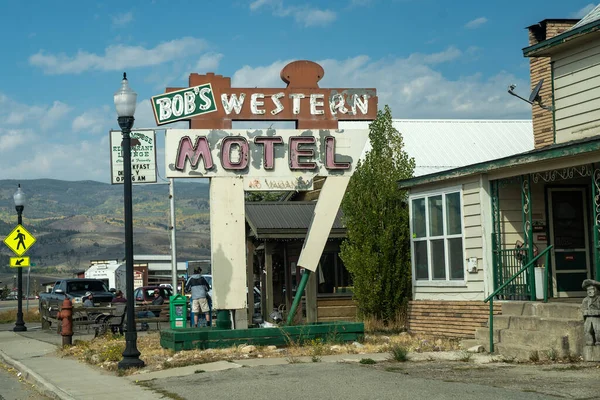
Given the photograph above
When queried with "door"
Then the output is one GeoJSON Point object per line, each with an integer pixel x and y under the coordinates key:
{"type": "Point", "coordinates": [569, 235]}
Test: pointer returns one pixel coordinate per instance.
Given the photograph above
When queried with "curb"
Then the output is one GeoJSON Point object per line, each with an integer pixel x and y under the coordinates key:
{"type": "Point", "coordinates": [28, 374]}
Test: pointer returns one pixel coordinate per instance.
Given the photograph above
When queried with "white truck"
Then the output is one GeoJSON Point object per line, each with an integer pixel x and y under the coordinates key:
{"type": "Point", "coordinates": [112, 273]}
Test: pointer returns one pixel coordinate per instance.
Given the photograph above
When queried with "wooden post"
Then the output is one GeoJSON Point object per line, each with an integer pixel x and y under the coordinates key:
{"type": "Point", "coordinates": [311, 299]}
{"type": "Point", "coordinates": [268, 295]}
{"type": "Point", "coordinates": [250, 277]}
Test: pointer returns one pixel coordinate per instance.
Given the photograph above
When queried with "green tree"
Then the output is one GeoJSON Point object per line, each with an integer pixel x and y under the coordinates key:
{"type": "Point", "coordinates": [377, 249]}
{"type": "Point", "coordinates": [252, 196]}
{"type": "Point", "coordinates": [4, 292]}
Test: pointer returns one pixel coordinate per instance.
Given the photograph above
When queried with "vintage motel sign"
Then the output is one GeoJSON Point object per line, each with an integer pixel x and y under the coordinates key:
{"type": "Point", "coordinates": [18, 262]}
{"type": "Point", "coordinates": [183, 104]}
{"type": "Point", "coordinates": [19, 240]}
{"type": "Point", "coordinates": [239, 160]}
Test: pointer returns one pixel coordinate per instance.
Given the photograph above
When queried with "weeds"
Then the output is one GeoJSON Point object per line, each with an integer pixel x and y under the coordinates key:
{"type": "Point", "coordinates": [572, 358]}
{"type": "Point", "coordinates": [552, 354]}
{"type": "Point", "coordinates": [398, 325]}
{"type": "Point", "coordinates": [534, 356]}
{"type": "Point", "coordinates": [398, 353]}
{"type": "Point", "coordinates": [367, 361]}
{"type": "Point", "coordinates": [465, 356]}
{"type": "Point", "coordinates": [317, 349]}
{"type": "Point", "coordinates": [6, 317]}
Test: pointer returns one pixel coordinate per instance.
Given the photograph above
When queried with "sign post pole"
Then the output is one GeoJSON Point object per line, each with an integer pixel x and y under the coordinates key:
{"type": "Point", "coordinates": [20, 324]}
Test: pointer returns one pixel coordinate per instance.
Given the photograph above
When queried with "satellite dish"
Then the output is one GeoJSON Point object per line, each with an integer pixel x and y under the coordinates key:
{"type": "Point", "coordinates": [535, 93]}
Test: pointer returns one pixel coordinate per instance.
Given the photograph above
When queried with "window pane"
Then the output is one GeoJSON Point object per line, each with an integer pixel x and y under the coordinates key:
{"type": "Point", "coordinates": [453, 223]}
{"type": "Point", "coordinates": [455, 253]}
{"type": "Point", "coordinates": [420, 254]}
{"type": "Point", "coordinates": [418, 218]}
{"type": "Point", "coordinates": [436, 227]}
{"type": "Point", "coordinates": [438, 259]}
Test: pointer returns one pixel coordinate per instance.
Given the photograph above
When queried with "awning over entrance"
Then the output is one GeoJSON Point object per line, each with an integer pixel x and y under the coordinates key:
{"type": "Point", "coordinates": [286, 220]}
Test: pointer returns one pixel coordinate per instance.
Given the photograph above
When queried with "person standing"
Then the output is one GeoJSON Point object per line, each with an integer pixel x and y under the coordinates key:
{"type": "Point", "coordinates": [198, 286]}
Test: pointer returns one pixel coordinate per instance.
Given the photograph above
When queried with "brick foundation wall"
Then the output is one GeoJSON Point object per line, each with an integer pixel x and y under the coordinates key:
{"type": "Point", "coordinates": [451, 319]}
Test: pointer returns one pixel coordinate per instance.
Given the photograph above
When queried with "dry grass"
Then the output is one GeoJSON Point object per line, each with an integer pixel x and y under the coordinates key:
{"type": "Point", "coordinates": [105, 351]}
{"type": "Point", "coordinates": [373, 325]}
{"type": "Point", "coordinates": [33, 315]}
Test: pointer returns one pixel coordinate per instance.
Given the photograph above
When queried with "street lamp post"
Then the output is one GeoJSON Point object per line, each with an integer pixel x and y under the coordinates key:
{"type": "Point", "coordinates": [125, 102]}
{"type": "Point", "coordinates": [19, 198]}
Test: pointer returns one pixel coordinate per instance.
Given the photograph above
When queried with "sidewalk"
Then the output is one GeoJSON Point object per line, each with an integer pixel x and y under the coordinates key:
{"type": "Point", "coordinates": [64, 378]}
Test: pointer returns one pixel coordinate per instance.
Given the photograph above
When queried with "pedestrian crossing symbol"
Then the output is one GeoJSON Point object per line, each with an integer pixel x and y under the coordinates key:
{"type": "Point", "coordinates": [19, 240]}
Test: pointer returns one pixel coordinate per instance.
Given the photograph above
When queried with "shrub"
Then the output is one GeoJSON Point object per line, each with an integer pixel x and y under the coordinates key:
{"type": "Point", "coordinates": [398, 353]}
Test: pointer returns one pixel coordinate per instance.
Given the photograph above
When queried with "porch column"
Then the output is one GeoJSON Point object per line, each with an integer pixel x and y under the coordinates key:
{"type": "Point", "coordinates": [268, 295]}
{"type": "Point", "coordinates": [496, 235]}
{"type": "Point", "coordinates": [528, 229]}
{"type": "Point", "coordinates": [596, 207]}
{"type": "Point", "coordinates": [250, 277]}
{"type": "Point", "coordinates": [311, 298]}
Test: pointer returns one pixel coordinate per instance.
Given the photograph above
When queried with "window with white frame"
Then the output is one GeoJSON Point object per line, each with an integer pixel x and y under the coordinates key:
{"type": "Point", "coordinates": [437, 236]}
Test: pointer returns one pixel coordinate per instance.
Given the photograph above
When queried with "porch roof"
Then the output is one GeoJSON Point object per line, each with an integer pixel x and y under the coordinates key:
{"type": "Point", "coordinates": [554, 151]}
{"type": "Point", "coordinates": [286, 220]}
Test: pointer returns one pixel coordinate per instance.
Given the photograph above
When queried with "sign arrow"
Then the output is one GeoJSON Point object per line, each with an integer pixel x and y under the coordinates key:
{"type": "Point", "coordinates": [19, 262]}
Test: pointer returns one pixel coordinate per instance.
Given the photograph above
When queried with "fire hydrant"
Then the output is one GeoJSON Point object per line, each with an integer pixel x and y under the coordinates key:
{"type": "Point", "coordinates": [66, 315]}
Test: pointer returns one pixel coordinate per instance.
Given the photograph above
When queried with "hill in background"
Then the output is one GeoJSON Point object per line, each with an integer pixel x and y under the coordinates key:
{"type": "Point", "coordinates": [75, 222]}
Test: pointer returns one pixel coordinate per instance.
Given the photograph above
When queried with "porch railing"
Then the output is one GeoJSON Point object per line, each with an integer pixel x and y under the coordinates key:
{"type": "Point", "coordinates": [527, 267]}
{"type": "Point", "coordinates": [507, 263]}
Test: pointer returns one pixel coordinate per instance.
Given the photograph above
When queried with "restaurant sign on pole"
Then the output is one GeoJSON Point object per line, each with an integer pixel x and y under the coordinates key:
{"type": "Point", "coordinates": [143, 156]}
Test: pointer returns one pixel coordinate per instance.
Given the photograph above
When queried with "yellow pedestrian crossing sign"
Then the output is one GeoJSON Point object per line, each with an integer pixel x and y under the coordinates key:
{"type": "Point", "coordinates": [16, 262]}
{"type": "Point", "coordinates": [19, 240]}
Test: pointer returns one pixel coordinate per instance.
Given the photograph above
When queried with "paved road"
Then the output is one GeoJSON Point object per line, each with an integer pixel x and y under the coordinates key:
{"type": "Point", "coordinates": [327, 381]}
{"type": "Point", "coordinates": [12, 389]}
{"type": "Point", "coordinates": [6, 305]}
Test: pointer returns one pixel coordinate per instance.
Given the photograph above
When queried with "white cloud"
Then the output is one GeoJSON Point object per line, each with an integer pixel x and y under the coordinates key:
{"type": "Point", "coordinates": [71, 161]}
{"type": "Point", "coordinates": [267, 76]}
{"type": "Point", "coordinates": [450, 54]}
{"type": "Point", "coordinates": [122, 19]}
{"type": "Point", "coordinates": [304, 15]}
{"type": "Point", "coordinates": [411, 86]}
{"type": "Point", "coordinates": [117, 57]}
{"type": "Point", "coordinates": [255, 5]}
{"type": "Point", "coordinates": [582, 12]}
{"type": "Point", "coordinates": [476, 23]}
{"type": "Point", "coordinates": [208, 62]}
{"type": "Point", "coordinates": [12, 138]}
{"type": "Point", "coordinates": [314, 17]}
{"type": "Point", "coordinates": [94, 121]}
{"type": "Point", "coordinates": [17, 114]}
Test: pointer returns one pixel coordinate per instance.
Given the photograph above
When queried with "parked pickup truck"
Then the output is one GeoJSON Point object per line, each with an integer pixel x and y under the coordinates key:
{"type": "Point", "coordinates": [75, 290]}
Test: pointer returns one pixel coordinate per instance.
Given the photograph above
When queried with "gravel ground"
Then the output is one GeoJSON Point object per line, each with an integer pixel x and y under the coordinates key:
{"type": "Point", "coordinates": [411, 380]}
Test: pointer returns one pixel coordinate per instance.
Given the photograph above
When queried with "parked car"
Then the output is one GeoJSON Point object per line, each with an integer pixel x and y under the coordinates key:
{"type": "Point", "coordinates": [73, 289]}
{"type": "Point", "coordinates": [146, 294]}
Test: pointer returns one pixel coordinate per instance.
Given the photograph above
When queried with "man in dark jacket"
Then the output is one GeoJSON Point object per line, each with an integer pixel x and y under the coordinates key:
{"type": "Point", "coordinates": [198, 286]}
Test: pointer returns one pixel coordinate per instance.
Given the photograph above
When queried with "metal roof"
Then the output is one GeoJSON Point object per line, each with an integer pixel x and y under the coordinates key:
{"type": "Point", "coordinates": [285, 219]}
{"type": "Point", "coordinates": [440, 145]}
{"type": "Point", "coordinates": [590, 17]}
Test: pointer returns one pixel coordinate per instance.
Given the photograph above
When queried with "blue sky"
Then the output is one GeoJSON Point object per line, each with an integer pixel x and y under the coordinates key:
{"type": "Point", "coordinates": [62, 61]}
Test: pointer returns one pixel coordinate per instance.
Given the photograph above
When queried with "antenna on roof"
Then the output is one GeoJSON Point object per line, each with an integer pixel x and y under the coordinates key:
{"type": "Point", "coordinates": [534, 97]}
